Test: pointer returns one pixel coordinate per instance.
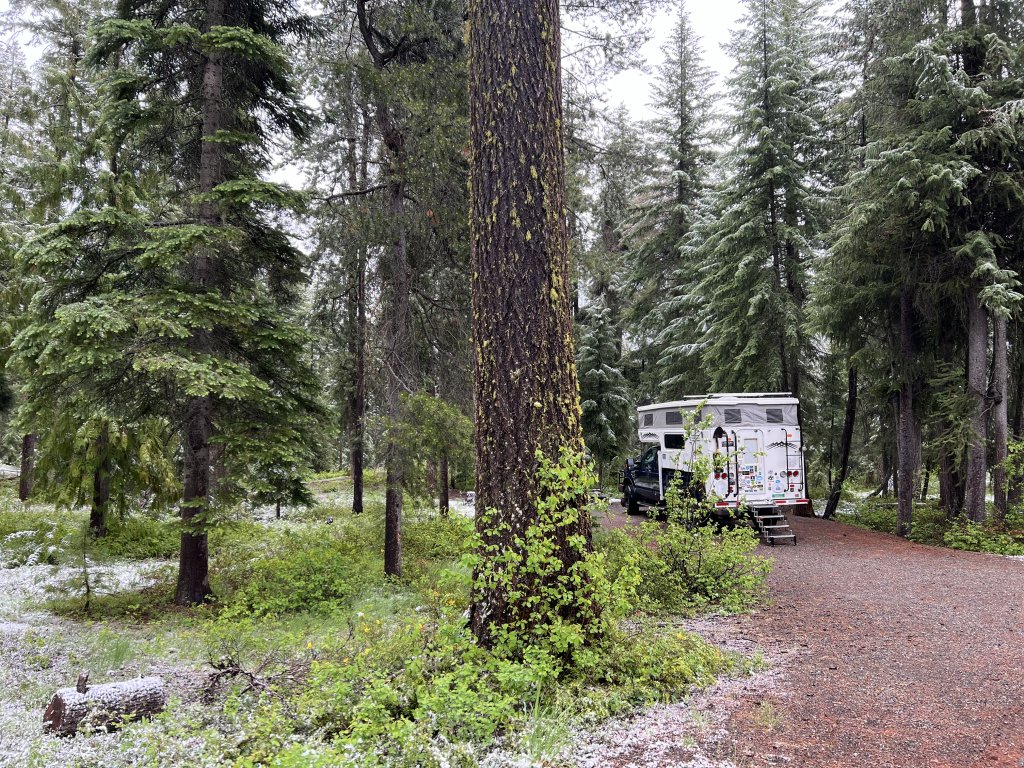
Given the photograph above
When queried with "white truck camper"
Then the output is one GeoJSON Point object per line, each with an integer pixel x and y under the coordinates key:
{"type": "Point", "coordinates": [754, 446]}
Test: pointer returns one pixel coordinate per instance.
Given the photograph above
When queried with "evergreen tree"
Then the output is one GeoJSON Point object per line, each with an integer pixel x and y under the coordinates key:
{"type": "Point", "coordinates": [604, 393]}
{"type": "Point", "coordinates": [934, 232]}
{"type": "Point", "coordinates": [172, 291]}
{"type": "Point", "coordinates": [527, 393]}
{"type": "Point", "coordinates": [754, 248]}
{"type": "Point", "coordinates": [662, 214]}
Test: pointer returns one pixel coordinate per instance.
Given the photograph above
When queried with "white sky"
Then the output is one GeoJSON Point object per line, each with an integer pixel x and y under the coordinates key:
{"type": "Point", "coordinates": [712, 21]}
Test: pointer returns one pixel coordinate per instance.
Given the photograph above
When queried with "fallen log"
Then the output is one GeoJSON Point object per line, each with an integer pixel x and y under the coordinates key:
{"type": "Point", "coordinates": [103, 706]}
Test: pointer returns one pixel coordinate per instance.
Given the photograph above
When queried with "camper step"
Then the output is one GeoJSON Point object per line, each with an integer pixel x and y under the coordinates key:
{"type": "Point", "coordinates": [775, 527]}
{"type": "Point", "coordinates": [770, 517]}
{"type": "Point", "coordinates": [772, 537]}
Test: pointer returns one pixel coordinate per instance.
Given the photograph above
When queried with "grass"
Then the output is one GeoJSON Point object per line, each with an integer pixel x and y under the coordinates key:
{"type": "Point", "coordinates": [766, 716]}
{"type": "Point", "coordinates": [348, 662]}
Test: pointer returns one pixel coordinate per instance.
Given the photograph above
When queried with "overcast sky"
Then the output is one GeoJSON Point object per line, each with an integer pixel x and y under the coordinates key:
{"type": "Point", "coordinates": [711, 21]}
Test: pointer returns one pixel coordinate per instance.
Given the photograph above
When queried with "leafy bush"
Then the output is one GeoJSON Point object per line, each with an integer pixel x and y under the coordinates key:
{"type": "Point", "coordinates": [964, 534]}
{"type": "Point", "coordinates": [409, 693]}
{"type": "Point", "coordinates": [314, 569]}
{"type": "Point", "coordinates": [690, 570]}
{"type": "Point", "coordinates": [140, 538]}
{"type": "Point", "coordinates": [37, 538]}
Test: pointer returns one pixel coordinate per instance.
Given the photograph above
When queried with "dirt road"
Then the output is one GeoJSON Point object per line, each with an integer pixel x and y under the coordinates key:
{"type": "Point", "coordinates": [894, 655]}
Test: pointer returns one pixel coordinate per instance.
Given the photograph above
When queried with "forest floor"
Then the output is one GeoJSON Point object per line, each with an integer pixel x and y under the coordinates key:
{"type": "Point", "coordinates": [885, 653]}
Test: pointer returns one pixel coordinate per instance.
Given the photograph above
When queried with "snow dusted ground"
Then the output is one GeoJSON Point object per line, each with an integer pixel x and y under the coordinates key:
{"type": "Point", "coordinates": [684, 734]}
{"type": "Point", "coordinates": [40, 652]}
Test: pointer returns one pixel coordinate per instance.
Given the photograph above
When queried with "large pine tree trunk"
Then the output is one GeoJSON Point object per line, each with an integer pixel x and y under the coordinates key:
{"type": "Point", "coordinates": [845, 442]}
{"type": "Point", "coordinates": [101, 485]}
{"type": "Point", "coordinates": [398, 377]}
{"type": "Point", "coordinates": [357, 405]}
{"type": "Point", "coordinates": [1000, 407]}
{"type": "Point", "coordinates": [906, 437]}
{"type": "Point", "coordinates": [28, 464]}
{"type": "Point", "coordinates": [527, 394]}
{"type": "Point", "coordinates": [193, 562]}
{"type": "Point", "coordinates": [1015, 486]}
{"type": "Point", "coordinates": [977, 343]}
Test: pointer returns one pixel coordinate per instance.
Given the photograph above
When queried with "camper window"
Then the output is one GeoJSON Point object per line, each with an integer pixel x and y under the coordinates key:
{"type": "Point", "coordinates": [648, 419]}
{"type": "Point", "coordinates": [673, 417]}
{"type": "Point", "coordinates": [675, 442]}
{"type": "Point", "coordinates": [732, 415]}
{"type": "Point", "coordinates": [773, 415]}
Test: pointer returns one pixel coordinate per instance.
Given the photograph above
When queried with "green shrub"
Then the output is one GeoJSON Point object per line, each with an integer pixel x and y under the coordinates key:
{"type": "Point", "coordinates": [416, 694]}
{"type": "Point", "coordinates": [974, 537]}
{"type": "Point", "coordinates": [874, 515]}
{"type": "Point", "coordinates": [314, 569]}
{"type": "Point", "coordinates": [140, 538]}
{"type": "Point", "coordinates": [690, 570]}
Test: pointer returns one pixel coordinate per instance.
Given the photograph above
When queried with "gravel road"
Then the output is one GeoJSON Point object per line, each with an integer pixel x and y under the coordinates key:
{"type": "Point", "coordinates": [893, 655]}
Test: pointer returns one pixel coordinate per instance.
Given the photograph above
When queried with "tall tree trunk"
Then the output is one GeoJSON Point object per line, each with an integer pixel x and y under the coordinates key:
{"type": "Point", "coordinates": [527, 393]}
{"type": "Point", "coordinates": [401, 354]}
{"type": "Point", "coordinates": [101, 485]}
{"type": "Point", "coordinates": [443, 502]}
{"type": "Point", "coordinates": [906, 434]}
{"type": "Point", "coordinates": [193, 562]}
{"type": "Point", "coordinates": [977, 343]}
{"type": "Point", "coordinates": [925, 481]}
{"type": "Point", "coordinates": [849, 421]}
{"type": "Point", "coordinates": [357, 405]}
{"type": "Point", "coordinates": [28, 465]}
{"type": "Point", "coordinates": [357, 321]}
{"type": "Point", "coordinates": [1015, 489]}
{"type": "Point", "coordinates": [398, 377]}
{"type": "Point", "coordinates": [399, 357]}
{"type": "Point", "coordinates": [1000, 421]}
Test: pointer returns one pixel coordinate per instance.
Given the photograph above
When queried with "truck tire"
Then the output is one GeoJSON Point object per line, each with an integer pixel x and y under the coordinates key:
{"type": "Point", "coordinates": [631, 504]}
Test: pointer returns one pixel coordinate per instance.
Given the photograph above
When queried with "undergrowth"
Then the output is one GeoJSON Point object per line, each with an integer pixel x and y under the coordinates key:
{"type": "Point", "coordinates": [930, 525]}
{"type": "Point", "coordinates": [313, 657]}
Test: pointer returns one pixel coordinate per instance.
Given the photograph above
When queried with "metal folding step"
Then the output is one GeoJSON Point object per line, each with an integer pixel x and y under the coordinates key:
{"type": "Point", "coordinates": [773, 526]}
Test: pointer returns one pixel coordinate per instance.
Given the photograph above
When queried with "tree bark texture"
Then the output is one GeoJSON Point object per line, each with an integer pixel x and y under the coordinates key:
{"type": "Point", "coordinates": [1000, 408]}
{"type": "Point", "coordinates": [357, 323]}
{"type": "Point", "coordinates": [907, 431]}
{"type": "Point", "coordinates": [849, 421]}
{"type": "Point", "coordinates": [400, 365]}
{"type": "Point", "coordinates": [1015, 488]}
{"type": "Point", "coordinates": [977, 343]}
{"type": "Point", "coordinates": [400, 355]}
{"type": "Point", "coordinates": [28, 464]}
{"type": "Point", "coordinates": [101, 485]}
{"type": "Point", "coordinates": [193, 563]}
{"type": "Point", "coordinates": [527, 394]}
{"type": "Point", "coordinates": [104, 706]}
{"type": "Point", "coordinates": [951, 485]}
{"type": "Point", "coordinates": [442, 484]}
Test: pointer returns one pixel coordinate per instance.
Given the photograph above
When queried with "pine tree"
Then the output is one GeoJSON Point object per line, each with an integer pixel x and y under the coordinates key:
{"type": "Point", "coordinates": [754, 248]}
{"type": "Point", "coordinates": [662, 214]}
{"type": "Point", "coordinates": [173, 292]}
{"type": "Point", "coordinates": [604, 393]}
{"type": "Point", "coordinates": [527, 395]}
{"type": "Point", "coordinates": [931, 220]}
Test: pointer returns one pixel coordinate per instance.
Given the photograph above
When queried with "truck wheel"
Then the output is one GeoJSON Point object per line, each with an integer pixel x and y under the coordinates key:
{"type": "Point", "coordinates": [632, 505]}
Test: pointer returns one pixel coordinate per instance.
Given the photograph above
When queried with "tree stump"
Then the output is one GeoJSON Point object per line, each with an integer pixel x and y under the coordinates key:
{"type": "Point", "coordinates": [106, 705]}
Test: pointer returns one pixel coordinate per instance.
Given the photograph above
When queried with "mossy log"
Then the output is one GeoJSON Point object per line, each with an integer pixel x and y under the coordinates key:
{"type": "Point", "coordinates": [104, 706]}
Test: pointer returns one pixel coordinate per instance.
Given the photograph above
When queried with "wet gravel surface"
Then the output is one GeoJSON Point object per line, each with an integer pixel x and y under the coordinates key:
{"type": "Point", "coordinates": [896, 655]}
